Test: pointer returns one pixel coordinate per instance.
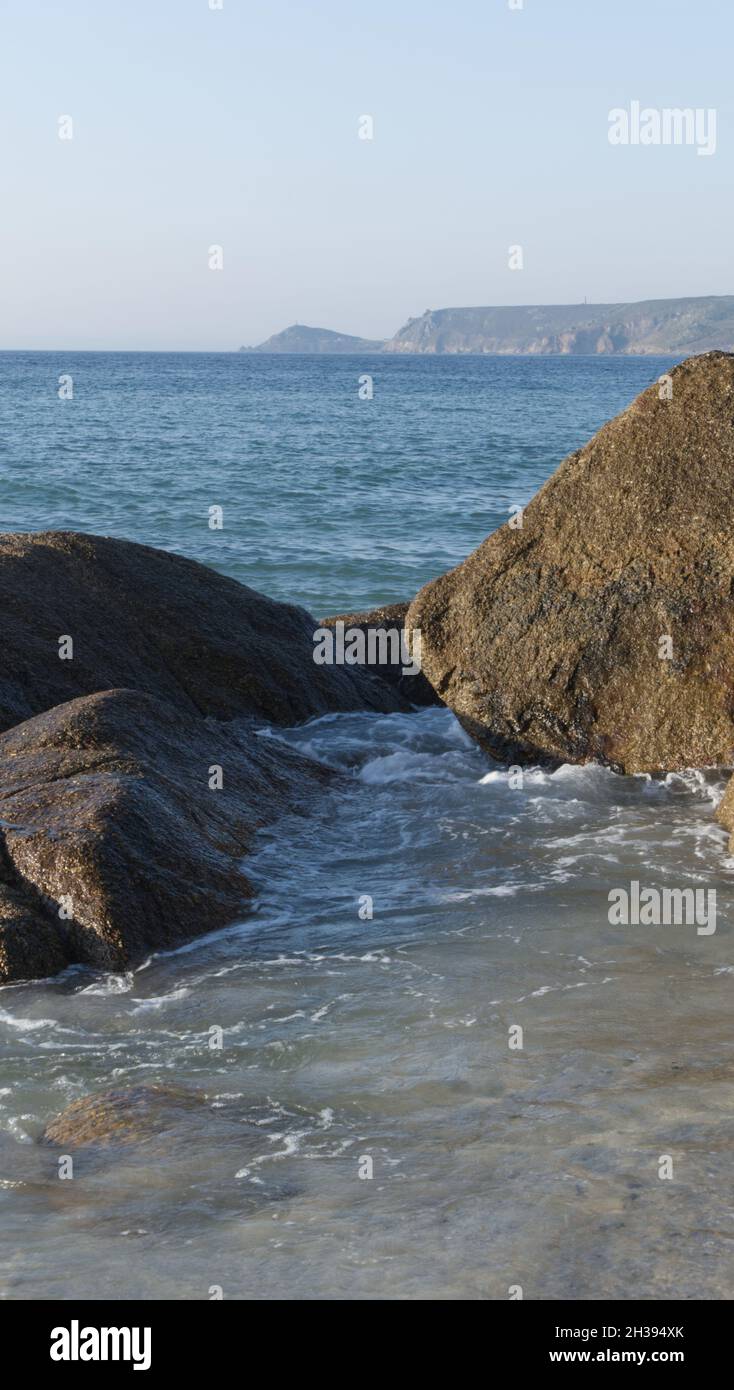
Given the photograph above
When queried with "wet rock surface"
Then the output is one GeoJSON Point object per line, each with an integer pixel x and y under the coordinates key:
{"type": "Point", "coordinates": [602, 628]}
{"type": "Point", "coordinates": [150, 620]}
{"type": "Point", "coordinates": [123, 1116]}
{"type": "Point", "coordinates": [113, 840]}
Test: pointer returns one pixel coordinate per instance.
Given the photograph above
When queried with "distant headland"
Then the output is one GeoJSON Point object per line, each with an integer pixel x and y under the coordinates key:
{"type": "Point", "coordinates": [679, 327]}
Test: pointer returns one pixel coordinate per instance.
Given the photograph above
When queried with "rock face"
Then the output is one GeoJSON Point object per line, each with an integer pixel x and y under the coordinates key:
{"type": "Point", "coordinates": [112, 841]}
{"type": "Point", "coordinates": [148, 620]}
{"type": "Point", "coordinates": [678, 326]}
{"type": "Point", "coordinates": [603, 628]}
{"type": "Point", "coordinates": [413, 688]}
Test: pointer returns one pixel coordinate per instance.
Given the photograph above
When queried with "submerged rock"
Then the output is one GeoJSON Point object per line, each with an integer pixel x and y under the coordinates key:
{"type": "Point", "coordinates": [83, 613]}
{"type": "Point", "coordinates": [123, 821]}
{"type": "Point", "coordinates": [602, 628]}
{"type": "Point", "coordinates": [725, 812]}
{"type": "Point", "coordinates": [413, 688]}
{"type": "Point", "coordinates": [137, 1148]}
{"type": "Point", "coordinates": [122, 1116]}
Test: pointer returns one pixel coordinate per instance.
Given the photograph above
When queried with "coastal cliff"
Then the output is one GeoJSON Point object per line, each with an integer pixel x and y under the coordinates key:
{"type": "Point", "coordinates": [679, 327]}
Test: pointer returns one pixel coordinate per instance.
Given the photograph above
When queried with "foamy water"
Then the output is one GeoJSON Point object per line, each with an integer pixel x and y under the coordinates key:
{"type": "Point", "coordinates": [348, 1038]}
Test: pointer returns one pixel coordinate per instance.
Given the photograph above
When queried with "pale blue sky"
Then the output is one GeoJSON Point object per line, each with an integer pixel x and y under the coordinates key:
{"type": "Point", "coordinates": [238, 127]}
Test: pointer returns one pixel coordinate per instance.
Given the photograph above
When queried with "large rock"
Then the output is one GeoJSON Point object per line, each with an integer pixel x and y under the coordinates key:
{"type": "Point", "coordinates": [603, 628]}
{"type": "Point", "coordinates": [112, 841]}
{"type": "Point", "coordinates": [150, 620]}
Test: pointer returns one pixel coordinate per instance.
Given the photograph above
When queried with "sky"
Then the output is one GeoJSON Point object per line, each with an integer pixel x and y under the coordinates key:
{"type": "Point", "coordinates": [238, 127]}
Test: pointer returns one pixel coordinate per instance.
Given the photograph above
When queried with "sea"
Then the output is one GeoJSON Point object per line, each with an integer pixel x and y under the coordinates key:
{"type": "Point", "coordinates": [431, 1068]}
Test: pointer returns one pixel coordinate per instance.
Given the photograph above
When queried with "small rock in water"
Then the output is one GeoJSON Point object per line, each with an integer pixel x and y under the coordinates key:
{"type": "Point", "coordinates": [128, 1115]}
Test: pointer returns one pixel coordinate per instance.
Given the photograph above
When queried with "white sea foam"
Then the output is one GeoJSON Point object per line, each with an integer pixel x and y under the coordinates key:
{"type": "Point", "coordinates": [110, 984]}
{"type": "Point", "coordinates": [25, 1025]}
{"type": "Point", "coordinates": [161, 1001]}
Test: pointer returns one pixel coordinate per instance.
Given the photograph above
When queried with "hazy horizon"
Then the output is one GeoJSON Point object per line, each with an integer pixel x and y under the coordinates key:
{"type": "Point", "coordinates": [193, 128]}
{"type": "Point", "coordinates": [352, 333]}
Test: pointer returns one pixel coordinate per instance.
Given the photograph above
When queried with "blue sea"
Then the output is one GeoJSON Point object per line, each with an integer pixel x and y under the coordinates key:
{"type": "Point", "coordinates": [329, 500]}
{"type": "Point", "coordinates": [385, 1039]}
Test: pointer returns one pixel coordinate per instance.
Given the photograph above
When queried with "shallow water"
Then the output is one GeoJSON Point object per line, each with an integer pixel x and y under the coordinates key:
{"type": "Point", "coordinates": [387, 1038]}
{"type": "Point", "coordinates": [348, 1038]}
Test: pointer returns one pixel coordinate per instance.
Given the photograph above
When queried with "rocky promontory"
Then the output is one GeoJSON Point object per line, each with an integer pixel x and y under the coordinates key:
{"type": "Point", "coordinates": [679, 327]}
{"type": "Point", "coordinates": [676, 326]}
